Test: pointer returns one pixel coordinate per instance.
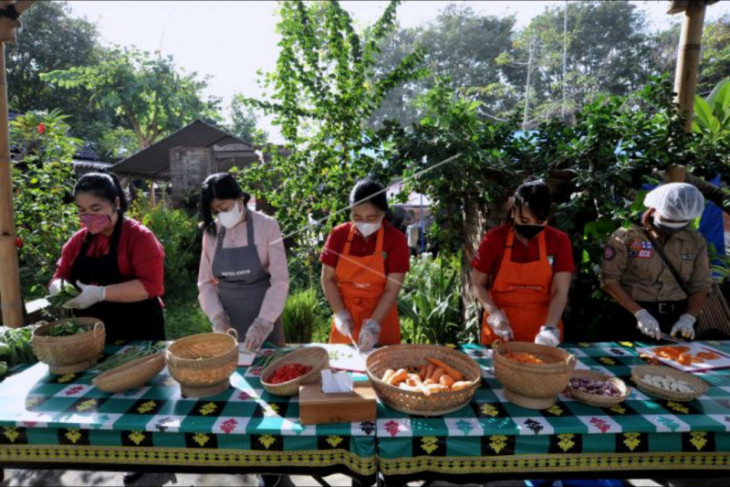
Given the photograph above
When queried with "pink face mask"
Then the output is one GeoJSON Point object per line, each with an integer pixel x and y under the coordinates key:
{"type": "Point", "coordinates": [95, 223]}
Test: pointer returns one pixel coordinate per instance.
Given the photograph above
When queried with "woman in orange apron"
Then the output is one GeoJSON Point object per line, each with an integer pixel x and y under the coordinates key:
{"type": "Point", "coordinates": [364, 264]}
{"type": "Point", "coordinates": [529, 265]}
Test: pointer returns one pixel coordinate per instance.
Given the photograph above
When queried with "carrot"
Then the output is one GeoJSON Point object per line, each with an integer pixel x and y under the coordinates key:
{"type": "Point", "coordinates": [446, 380]}
{"type": "Point", "coordinates": [429, 370]}
{"type": "Point", "coordinates": [455, 374]}
{"type": "Point", "coordinates": [399, 376]}
{"type": "Point", "coordinates": [388, 374]}
{"type": "Point", "coordinates": [406, 387]}
{"type": "Point", "coordinates": [462, 384]}
{"type": "Point", "coordinates": [436, 388]}
{"type": "Point", "coordinates": [437, 374]}
{"type": "Point", "coordinates": [422, 372]}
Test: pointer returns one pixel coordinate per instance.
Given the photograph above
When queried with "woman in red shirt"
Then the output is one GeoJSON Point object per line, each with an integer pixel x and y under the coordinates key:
{"type": "Point", "coordinates": [364, 264]}
{"type": "Point", "coordinates": [116, 263]}
{"type": "Point", "coordinates": [522, 270]}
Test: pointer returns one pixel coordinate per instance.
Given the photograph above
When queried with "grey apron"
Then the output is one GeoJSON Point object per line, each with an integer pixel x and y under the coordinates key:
{"type": "Point", "coordinates": [242, 283]}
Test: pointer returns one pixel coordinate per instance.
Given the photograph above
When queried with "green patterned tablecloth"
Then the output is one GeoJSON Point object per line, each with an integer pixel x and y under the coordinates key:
{"type": "Point", "coordinates": [53, 419]}
{"type": "Point", "coordinates": [494, 436]}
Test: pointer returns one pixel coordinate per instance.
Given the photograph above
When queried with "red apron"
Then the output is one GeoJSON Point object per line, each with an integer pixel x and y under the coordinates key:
{"type": "Point", "coordinates": [523, 292]}
{"type": "Point", "coordinates": [362, 282]}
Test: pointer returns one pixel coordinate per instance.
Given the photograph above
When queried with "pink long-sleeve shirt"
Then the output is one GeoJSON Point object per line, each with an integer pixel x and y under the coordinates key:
{"type": "Point", "coordinates": [269, 246]}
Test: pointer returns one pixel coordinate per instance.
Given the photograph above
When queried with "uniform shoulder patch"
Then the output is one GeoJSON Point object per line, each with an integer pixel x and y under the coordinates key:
{"type": "Point", "coordinates": [609, 252]}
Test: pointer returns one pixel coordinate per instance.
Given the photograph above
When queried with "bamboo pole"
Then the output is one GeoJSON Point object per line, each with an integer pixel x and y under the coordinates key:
{"type": "Point", "coordinates": [688, 59]}
{"type": "Point", "coordinates": [12, 303]}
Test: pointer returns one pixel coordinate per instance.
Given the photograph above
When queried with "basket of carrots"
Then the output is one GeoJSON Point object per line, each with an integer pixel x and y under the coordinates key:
{"type": "Point", "coordinates": [424, 380]}
{"type": "Point", "coordinates": [532, 375]}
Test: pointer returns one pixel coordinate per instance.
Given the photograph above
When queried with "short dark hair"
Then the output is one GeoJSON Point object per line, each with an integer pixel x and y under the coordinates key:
{"type": "Point", "coordinates": [104, 185]}
{"type": "Point", "coordinates": [367, 190]}
{"type": "Point", "coordinates": [535, 195]}
{"type": "Point", "coordinates": [222, 186]}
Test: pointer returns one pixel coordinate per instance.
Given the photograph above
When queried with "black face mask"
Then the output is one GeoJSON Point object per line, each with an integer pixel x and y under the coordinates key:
{"type": "Point", "coordinates": [668, 231]}
{"type": "Point", "coordinates": [528, 231]}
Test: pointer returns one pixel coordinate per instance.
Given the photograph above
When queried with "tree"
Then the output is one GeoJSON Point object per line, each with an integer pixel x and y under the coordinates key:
{"type": "Point", "coordinates": [43, 178]}
{"type": "Point", "coordinates": [244, 122]}
{"type": "Point", "coordinates": [459, 45]}
{"type": "Point", "coordinates": [52, 40]}
{"type": "Point", "coordinates": [151, 95]}
{"type": "Point", "coordinates": [325, 87]}
{"type": "Point", "coordinates": [607, 53]}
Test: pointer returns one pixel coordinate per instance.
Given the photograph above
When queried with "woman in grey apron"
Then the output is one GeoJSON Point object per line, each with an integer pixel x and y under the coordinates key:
{"type": "Point", "coordinates": [237, 289]}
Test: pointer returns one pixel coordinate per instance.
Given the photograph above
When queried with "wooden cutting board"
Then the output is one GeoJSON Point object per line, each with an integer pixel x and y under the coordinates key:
{"type": "Point", "coordinates": [316, 407]}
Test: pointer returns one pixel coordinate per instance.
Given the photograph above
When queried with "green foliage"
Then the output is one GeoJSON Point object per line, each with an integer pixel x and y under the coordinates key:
{"type": "Point", "coordinates": [325, 87]}
{"type": "Point", "coordinates": [304, 313]}
{"type": "Point", "coordinates": [51, 39]}
{"type": "Point", "coordinates": [43, 182]}
{"type": "Point", "coordinates": [430, 301]}
{"type": "Point", "coordinates": [460, 45]}
{"type": "Point", "coordinates": [149, 93]}
{"type": "Point", "coordinates": [712, 116]}
{"type": "Point", "coordinates": [181, 238]}
{"type": "Point", "coordinates": [244, 122]}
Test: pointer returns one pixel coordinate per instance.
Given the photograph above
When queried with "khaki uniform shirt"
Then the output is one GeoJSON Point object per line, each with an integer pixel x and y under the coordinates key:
{"type": "Point", "coordinates": [630, 261]}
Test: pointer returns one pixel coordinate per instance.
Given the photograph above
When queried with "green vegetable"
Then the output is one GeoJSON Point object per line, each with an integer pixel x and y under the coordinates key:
{"type": "Point", "coordinates": [132, 353]}
{"type": "Point", "coordinates": [3, 369]}
{"type": "Point", "coordinates": [67, 329]}
{"type": "Point", "coordinates": [4, 350]}
{"type": "Point", "coordinates": [68, 291]}
{"type": "Point", "coordinates": [17, 341]}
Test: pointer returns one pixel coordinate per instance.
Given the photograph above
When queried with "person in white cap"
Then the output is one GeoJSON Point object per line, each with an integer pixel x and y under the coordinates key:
{"type": "Point", "coordinates": [634, 273]}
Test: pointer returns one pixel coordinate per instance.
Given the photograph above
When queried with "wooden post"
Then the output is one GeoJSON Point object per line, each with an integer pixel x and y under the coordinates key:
{"type": "Point", "coordinates": [12, 303]}
{"type": "Point", "coordinates": [688, 59]}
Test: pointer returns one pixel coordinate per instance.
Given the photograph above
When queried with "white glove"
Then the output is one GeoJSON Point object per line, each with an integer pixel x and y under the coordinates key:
{"type": "Point", "coordinates": [369, 335]}
{"type": "Point", "coordinates": [257, 333]}
{"type": "Point", "coordinates": [89, 296]}
{"type": "Point", "coordinates": [499, 323]}
{"type": "Point", "coordinates": [548, 335]}
{"type": "Point", "coordinates": [220, 322]}
{"type": "Point", "coordinates": [56, 286]}
{"type": "Point", "coordinates": [647, 324]}
{"type": "Point", "coordinates": [685, 325]}
{"type": "Point", "coordinates": [343, 322]}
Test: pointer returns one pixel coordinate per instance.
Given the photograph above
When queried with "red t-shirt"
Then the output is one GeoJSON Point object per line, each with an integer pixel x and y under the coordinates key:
{"type": "Point", "coordinates": [491, 251]}
{"type": "Point", "coordinates": [139, 255]}
{"type": "Point", "coordinates": [395, 246]}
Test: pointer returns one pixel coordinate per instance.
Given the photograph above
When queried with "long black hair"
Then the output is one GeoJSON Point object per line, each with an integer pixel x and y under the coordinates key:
{"type": "Point", "coordinates": [104, 185]}
{"type": "Point", "coordinates": [368, 190]}
{"type": "Point", "coordinates": [222, 186]}
{"type": "Point", "coordinates": [535, 195]}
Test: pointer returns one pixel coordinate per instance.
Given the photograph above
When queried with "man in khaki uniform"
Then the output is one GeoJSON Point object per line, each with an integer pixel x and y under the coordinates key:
{"type": "Point", "coordinates": [635, 275]}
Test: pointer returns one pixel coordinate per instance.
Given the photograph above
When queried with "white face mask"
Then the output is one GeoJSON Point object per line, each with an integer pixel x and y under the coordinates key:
{"type": "Point", "coordinates": [229, 219]}
{"type": "Point", "coordinates": [367, 229]}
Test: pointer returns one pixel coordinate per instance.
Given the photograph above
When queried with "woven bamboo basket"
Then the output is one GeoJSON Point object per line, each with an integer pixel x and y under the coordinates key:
{"type": "Point", "coordinates": [699, 386]}
{"type": "Point", "coordinates": [203, 363]}
{"type": "Point", "coordinates": [315, 357]}
{"type": "Point", "coordinates": [532, 386]}
{"type": "Point", "coordinates": [416, 403]}
{"type": "Point", "coordinates": [69, 354]}
{"type": "Point", "coordinates": [131, 375]}
{"type": "Point", "coordinates": [598, 399]}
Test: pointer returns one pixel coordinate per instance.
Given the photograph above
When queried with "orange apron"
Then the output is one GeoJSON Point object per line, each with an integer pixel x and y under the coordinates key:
{"type": "Point", "coordinates": [362, 282]}
{"type": "Point", "coordinates": [522, 291]}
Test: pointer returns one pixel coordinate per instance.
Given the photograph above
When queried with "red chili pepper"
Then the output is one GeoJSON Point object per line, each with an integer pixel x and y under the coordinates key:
{"type": "Point", "coordinates": [288, 372]}
{"type": "Point", "coordinates": [41, 128]}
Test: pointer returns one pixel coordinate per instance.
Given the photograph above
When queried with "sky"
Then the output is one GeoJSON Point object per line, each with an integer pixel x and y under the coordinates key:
{"type": "Point", "coordinates": [231, 41]}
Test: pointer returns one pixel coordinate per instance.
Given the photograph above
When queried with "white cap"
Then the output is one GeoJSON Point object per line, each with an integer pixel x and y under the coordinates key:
{"type": "Point", "coordinates": [680, 202]}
